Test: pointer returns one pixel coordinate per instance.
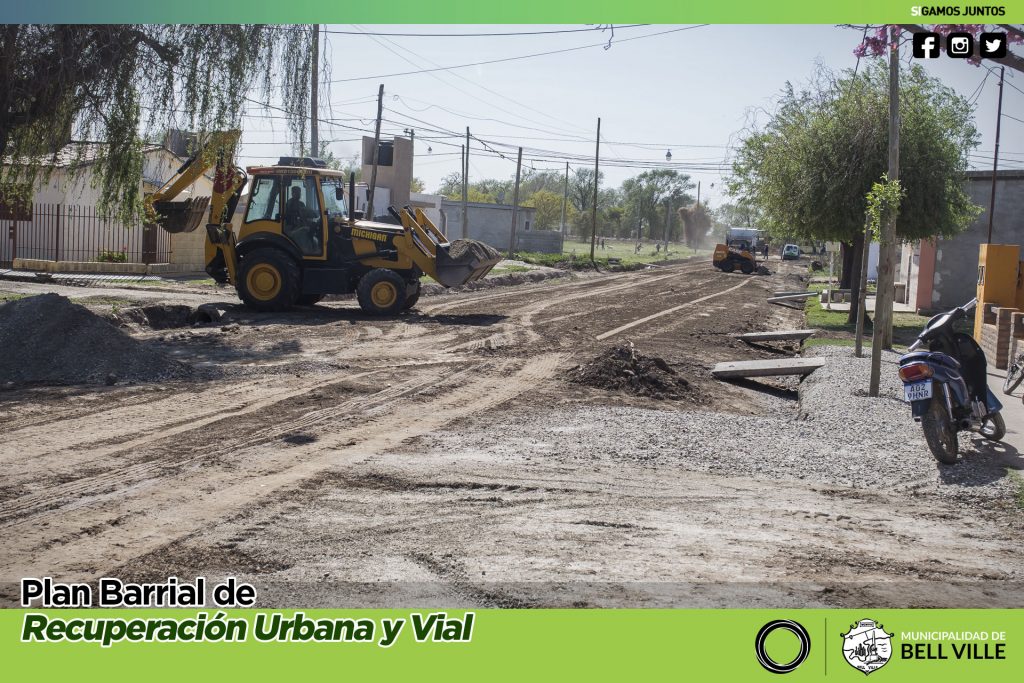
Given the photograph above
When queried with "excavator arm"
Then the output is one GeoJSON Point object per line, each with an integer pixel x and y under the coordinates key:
{"type": "Point", "coordinates": [217, 153]}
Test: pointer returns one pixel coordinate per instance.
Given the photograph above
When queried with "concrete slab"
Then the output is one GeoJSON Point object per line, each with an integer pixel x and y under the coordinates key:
{"type": "Point", "coordinates": [778, 335]}
{"type": "Point", "coordinates": [791, 297]}
{"type": "Point", "coordinates": [767, 368]}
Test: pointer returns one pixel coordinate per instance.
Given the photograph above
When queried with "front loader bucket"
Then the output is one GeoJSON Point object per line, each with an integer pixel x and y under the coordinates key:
{"type": "Point", "coordinates": [464, 261]}
{"type": "Point", "coordinates": [183, 216]}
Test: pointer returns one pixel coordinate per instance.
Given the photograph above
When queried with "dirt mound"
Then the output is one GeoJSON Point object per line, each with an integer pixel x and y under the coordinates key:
{"type": "Point", "coordinates": [49, 340]}
{"type": "Point", "coordinates": [460, 248]}
{"type": "Point", "coordinates": [168, 316]}
{"type": "Point", "coordinates": [622, 368]}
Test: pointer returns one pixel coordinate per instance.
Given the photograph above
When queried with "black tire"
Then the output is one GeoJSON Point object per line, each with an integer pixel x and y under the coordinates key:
{"type": "Point", "coordinates": [994, 428]}
{"type": "Point", "coordinates": [308, 299]}
{"type": "Point", "coordinates": [413, 296]}
{"type": "Point", "coordinates": [728, 266]}
{"type": "Point", "coordinates": [1014, 375]}
{"type": "Point", "coordinates": [382, 292]}
{"type": "Point", "coordinates": [269, 280]}
{"type": "Point", "coordinates": [939, 432]}
{"type": "Point", "coordinates": [747, 267]}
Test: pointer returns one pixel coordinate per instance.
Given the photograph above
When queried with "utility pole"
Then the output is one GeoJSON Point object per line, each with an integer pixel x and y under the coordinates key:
{"type": "Point", "coordinates": [565, 197]}
{"type": "Point", "coordinates": [465, 189]}
{"type": "Point", "coordinates": [376, 150]}
{"type": "Point", "coordinates": [885, 285]}
{"type": "Point", "coordinates": [593, 209]}
{"type": "Point", "coordinates": [995, 160]}
{"type": "Point", "coordinates": [314, 90]}
{"type": "Point", "coordinates": [515, 205]}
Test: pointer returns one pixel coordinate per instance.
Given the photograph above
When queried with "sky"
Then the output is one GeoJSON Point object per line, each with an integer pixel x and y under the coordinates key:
{"type": "Point", "coordinates": [688, 91]}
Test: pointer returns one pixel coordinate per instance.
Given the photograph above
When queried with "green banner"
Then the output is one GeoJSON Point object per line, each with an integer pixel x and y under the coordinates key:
{"type": "Point", "coordinates": [523, 11]}
{"type": "Point", "coordinates": [734, 645]}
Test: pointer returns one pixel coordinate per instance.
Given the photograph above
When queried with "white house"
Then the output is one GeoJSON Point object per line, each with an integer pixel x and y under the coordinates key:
{"type": "Point", "coordinates": [65, 227]}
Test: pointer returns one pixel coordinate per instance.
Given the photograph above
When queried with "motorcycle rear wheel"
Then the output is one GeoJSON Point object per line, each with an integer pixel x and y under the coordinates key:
{"type": "Point", "coordinates": [939, 432]}
{"type": "Point", "coordinates": [994, 428]}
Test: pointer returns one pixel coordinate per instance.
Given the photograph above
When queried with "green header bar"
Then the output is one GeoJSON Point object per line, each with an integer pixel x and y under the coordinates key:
{"type": "Point", "coordinates": [532, 645]}
{"type": "Point", "coordinates": [522, 11]}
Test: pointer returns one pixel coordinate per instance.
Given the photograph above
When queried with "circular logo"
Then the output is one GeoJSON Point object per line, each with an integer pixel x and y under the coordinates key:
{"type": "Point", "coordinates": [793, 627]}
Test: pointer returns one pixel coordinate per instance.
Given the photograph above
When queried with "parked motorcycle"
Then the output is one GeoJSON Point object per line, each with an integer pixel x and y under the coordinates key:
{"type": "Point", "coordinates": [947, 385]}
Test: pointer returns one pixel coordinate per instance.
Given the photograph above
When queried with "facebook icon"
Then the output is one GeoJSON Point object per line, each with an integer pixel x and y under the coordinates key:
{"type": "Point", "coordinates": [926, 45]}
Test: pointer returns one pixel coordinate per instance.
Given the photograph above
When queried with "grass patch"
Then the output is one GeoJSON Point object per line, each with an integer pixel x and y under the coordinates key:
{"type": "Point", "coordinates": [10, 296]}
{"type": "Point", "coordinates": [905, 326]}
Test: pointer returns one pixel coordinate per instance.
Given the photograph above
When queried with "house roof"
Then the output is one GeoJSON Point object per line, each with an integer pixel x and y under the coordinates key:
{"type": "Point", "coordinates": [85, 153]}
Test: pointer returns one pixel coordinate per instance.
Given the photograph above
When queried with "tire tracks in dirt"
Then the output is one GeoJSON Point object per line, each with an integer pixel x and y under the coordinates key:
{"type": "Point", "coordinates": [179, 506]}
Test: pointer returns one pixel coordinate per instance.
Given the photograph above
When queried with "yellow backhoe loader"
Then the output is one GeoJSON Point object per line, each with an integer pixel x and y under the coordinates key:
{"type": "Point", "coordinates": [299, 239]}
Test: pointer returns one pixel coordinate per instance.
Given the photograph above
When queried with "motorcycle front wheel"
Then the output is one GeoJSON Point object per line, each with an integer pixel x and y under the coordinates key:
{"type": "Point", "coordinates": [1014, 375]}
{"type": "Point", "coordinates": [993, 429]}
{"type": "Point", "coordinates": [939, 432]}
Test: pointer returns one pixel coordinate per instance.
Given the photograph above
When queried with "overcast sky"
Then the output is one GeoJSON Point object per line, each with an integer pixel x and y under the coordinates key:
{"type": "Point", "coordinates": [687, 91]}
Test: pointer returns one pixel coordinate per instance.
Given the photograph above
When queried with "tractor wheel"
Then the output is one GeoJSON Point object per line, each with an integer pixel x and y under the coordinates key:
{"type": "Point", "coordinates": [747, 267]}
{"type": "Point", "coordinates": [308, 299]}
{"type": "Point", "coordinates": [269, 280]}
{"type": "Point", "coordinates": [382, 292]}
{"type": "Point", "coordinates": [413, 296]}
{"type": "Point", "coordinates": [728, 266]}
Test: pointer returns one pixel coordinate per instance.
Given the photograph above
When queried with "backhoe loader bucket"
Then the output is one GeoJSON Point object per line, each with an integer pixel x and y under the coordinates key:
{"type": "Point", "coordinates": [183, 216]}
{"type": "Point", "coordinates": [454, 263]}
{"type": "Point", "coordinates": [464, 261]}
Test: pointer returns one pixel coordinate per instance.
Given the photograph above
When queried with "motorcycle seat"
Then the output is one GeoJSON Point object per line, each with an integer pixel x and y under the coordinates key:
{"type": "Point", "coordinates": [931, 357]}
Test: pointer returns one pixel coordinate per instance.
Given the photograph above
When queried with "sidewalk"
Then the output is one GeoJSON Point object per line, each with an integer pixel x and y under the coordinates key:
{"type": "Point", "coordinates": [1013, 416]}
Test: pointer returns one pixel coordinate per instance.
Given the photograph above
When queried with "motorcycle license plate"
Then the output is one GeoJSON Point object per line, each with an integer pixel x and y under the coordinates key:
{"type": "Point", "coordinates": [918, 391]}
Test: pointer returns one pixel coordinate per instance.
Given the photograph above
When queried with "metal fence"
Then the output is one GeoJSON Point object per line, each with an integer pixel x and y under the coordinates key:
{"type": "Point", "coordinates": [60, 232]}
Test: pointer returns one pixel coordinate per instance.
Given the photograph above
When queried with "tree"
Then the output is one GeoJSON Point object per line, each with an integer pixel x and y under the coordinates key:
{"type": "Point", "coordinates": [811, 167]}
{"type": "Point", "coordinates": [646, 197]}
{"type": "Point", "coordinates": [581, 188]}
{"type": "Point", "coordinates": [416, 185]}
{"type": "Point", "coordinates": [548, 207]}
{"type": "Point", "coordinates": [118, 83]}
{"type": "Point", "coordinates": [738, 214]}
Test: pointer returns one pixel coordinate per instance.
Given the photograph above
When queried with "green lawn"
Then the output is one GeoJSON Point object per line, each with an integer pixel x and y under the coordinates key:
{"type": "Point", "coordinates": [836, 331]}
{"type": "Point", "coordinates": [578, 251]}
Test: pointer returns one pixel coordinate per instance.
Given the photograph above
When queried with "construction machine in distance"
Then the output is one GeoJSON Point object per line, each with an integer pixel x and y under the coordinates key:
{"type": "Point", "coordinates": [736, 254]}
{"type": "Point", "coordinates": [300, 241]}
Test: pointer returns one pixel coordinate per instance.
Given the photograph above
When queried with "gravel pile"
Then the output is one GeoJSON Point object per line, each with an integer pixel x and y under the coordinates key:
{"type": "Point", "coordinates": [623, 368]}
{"type": "Point", "coordinates": [47, 339]}
{"type": "Point", "coordinates": [834, 436]}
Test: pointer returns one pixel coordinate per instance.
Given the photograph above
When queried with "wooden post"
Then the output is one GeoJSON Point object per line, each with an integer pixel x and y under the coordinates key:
{"type": "Point", "coordinates": [593, 209]}
{"type": "Point", "coordinates": [995, 158]}
{"type": "Point", "coordinates": [862, 291]}
{"type": "Point", "coordinates": [376, 153]}
{"type": "Point", "coordinates": [465, 191]}
{"type": "Point", "coordinates": [565, 197]}
{"type": "Point", "coordinates": [314, 88]}
{"type": "Point", "coordinates": [885, 285]}
{"type": "Point", "coordinates": [515, 205]}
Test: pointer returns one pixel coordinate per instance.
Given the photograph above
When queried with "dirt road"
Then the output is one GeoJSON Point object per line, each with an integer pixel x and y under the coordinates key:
{"type": "Point", "coordinates": [442, 458]}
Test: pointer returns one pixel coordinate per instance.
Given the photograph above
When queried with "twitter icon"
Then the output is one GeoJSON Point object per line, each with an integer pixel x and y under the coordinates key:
{"type": "Point", "coordinates": [993, 45]}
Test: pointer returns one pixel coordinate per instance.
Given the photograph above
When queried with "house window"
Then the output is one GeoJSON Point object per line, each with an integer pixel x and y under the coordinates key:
{"type": "Point", "coordinates": [527, 225]}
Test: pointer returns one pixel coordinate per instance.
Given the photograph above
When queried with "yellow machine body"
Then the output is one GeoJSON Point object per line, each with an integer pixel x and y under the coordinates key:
{"type": "Point", "coordinates": [299, 241]}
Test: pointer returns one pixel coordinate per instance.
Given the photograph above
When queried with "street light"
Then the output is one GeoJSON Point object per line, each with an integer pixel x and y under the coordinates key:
{"type": "Point", "coordinates": [668, 155]}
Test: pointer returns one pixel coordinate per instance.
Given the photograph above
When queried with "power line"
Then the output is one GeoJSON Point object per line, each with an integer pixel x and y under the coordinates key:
{"type": "Point", "coordinates": [599, 27]}
{"type": "Point", "coordinates": [512, 59]}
